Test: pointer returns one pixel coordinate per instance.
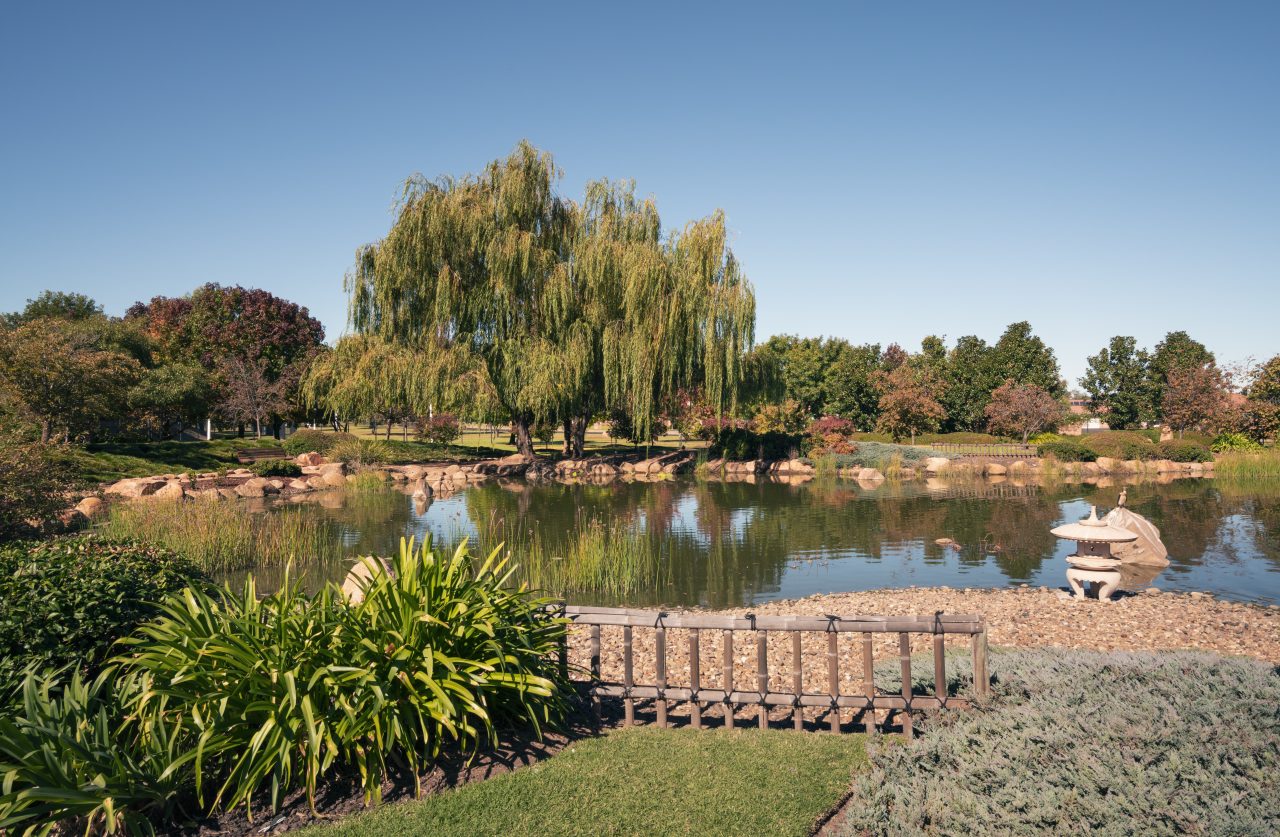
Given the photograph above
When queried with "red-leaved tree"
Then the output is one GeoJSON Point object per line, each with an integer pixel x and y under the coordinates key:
{"type": "Point", "coordinates": [1022, 409]}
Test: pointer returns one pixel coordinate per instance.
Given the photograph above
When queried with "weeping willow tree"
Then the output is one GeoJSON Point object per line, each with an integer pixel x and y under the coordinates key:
{"type": "Point", "coordinates": [569, 309]}
{"type": "Point", "coordinates": [366, 375]}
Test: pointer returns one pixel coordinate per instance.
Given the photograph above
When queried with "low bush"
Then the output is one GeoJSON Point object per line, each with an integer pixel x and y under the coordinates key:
{"type": "Point", "coordinates": [1088, 743]}
{"type": "Point", "coordinates": [34, 483]}
{"type": "Point", "coordinates": [440, 429]}
{"type": "Point", "coordinates": [276, 468]}
{"type": "Point", "coordinates": [1180, 450]}
{"type": "Point", "coordinates": [829, 435]}
{"type": "Point", "coordinates": [959, 439]}
{"type": "Point", "coordinates": [63, 602]}
{"type": "Point", "coordinates": [878, 455]}
{"type": "Point", "coordinates": [306, 440]}
{"type": "Point", "coordinates": [231, 697]}
{"type": "Point", "coordinates": [1224, 442]}
{"type": "Point", "coordinates": [740, 444]}
{"type": "Point", "coordinates": [1121, 444]}
{"type": "Point", "coordinates": [1065, 451]}
{"type": "Point", "coordinates": [1046, 438]}
{"type": "Point", "coordinates": [359, 453]}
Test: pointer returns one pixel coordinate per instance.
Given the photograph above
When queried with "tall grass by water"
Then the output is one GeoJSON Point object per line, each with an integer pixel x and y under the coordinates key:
{"type": "Point", "coordinates": [1248, 464]}
{"type": "Point", "coordinates": [613, 560]}
{"type": "Point", "coordinates": [220, 536]}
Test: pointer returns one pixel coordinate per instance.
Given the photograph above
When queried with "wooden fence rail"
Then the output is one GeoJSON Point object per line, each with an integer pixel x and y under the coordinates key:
{"type": "Point", "coordinates": [731, 696]}
{"type": "Point", "coordinates": [1004, 449]}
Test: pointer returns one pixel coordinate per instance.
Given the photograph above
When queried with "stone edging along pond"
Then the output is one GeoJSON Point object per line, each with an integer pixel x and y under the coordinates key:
{"type": "Point", "coordinates": [437, 478]}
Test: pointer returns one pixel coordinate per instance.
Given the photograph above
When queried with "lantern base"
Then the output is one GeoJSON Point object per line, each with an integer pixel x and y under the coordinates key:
{"type": "Point", "coordinates": [1102, 583]}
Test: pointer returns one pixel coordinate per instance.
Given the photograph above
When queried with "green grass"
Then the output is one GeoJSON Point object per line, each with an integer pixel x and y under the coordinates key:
{"type": "Point", "coordinates": [112, 461]}
{"type": "Point", "coordinates": [643, 781]}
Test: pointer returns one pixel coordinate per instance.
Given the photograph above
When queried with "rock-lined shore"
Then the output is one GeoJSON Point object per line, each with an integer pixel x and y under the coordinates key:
{"type": "Point", "coordinates": [1016, 617]}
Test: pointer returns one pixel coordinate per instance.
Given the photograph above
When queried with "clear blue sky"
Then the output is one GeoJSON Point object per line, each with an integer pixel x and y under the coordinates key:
{"type": "Point", "coordinates": [888, 170]}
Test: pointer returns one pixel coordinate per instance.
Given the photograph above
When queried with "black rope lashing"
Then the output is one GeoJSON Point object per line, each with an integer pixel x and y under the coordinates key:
{"type": "Point", "coordinates": [831, 622]}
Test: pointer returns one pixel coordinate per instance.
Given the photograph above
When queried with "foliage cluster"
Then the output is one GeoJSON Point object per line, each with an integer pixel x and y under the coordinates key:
{"type": "Point", "coordinates": [1083, 742]}
{"type": "Point", "coordinates": [231, 697]}
{"type": "Point", "coordinates": [440, 429]}
{"type": "Point", "coordinates": [1121, 444]}
{"type": "Point", "coordinates": [360, 453]}
{"type": "Point", "coordinates": [741, 444]}
{"type": "Point", "coordinates": [276, 468]}
{"type": "Point", "coordinates": [1224, 442]}
{"type": "Point", "coordinates": [1068, 451]}
{"type": "Point", "coordinates": [35, 481]}
{"type": "Point", "coordinates": [64, 601]}
{"type": "Point", "coordinates": [1184, 450]}
{"type": "Point", "coordinates": [307, 440]}
{"type": "Point", "coordinates": [879, 455]}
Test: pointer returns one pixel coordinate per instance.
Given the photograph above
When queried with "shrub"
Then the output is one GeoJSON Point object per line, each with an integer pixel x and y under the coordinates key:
{"type": "Point", "coordinates": [788, 418]}
{"type": "Point", "coordinates": [1068, 451]}
{"type": "Point", "coordinates": [307, 439]}
{"type": "Point", "coordinates": [829, 435]}
{"type": "Point", "coordinates": [1179, 450]}
{"type": "Point", "coordinates": [740, 444]}
{"type": "Point", "coordinates": [359, 453]}
{"type": "Point", "coordinates": [276, 468]}
{"type": "Point", "coordinates": [1120, 444]}
{"type": "Point", "coordinates": [34, 482]}
{"type": "Point", "coordinates": [959, 438]}
{"type": "Point", "coordinates": [284, 689]}
{"type": "Point", "coordinates": [64, 601]}
{"type": "Point", "coordinates": [69, 753]}
{"type": "Point", "coordinates": [1233, 441]}
{"type": "Point", "coordinates": [1088, 743]}
{"type": "Point", "coordinates": [878, 455]}
{"type": "Point", "coordinates": [440, 429]}
{"type": "Point", "coordinates": [1046, 438]}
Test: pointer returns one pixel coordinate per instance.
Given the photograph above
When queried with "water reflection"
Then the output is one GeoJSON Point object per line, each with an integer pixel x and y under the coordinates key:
{"type": "Point", "coordinates": [735, 543]}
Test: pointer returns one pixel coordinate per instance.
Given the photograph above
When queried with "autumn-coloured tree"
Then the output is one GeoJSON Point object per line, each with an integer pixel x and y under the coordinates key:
{"type": "Point", "coordinates": [1022, 409]}
{"type": "Point", "coordinates": [1193, 395]}
{"type": "Point", "coordinates": [1265, 383]}
{"type": "Point", "coordinates": [908, 401]}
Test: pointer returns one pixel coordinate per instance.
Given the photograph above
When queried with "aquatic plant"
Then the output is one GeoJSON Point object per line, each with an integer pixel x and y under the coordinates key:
{"type": "Point", "coordinates": [218, 535]}
{"type": "Point", "coordinates": [1248, 464]}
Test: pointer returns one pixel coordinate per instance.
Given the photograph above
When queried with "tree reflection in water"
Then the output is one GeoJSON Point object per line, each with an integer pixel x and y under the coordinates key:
{"type": "Point", "coordinates": [732, 543]}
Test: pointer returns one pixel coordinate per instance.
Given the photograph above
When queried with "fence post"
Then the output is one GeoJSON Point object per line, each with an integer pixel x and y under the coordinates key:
{"type": "Point", "coordinates": [628, 702]}
{"type": "Point", "coordinates": [981, 677]}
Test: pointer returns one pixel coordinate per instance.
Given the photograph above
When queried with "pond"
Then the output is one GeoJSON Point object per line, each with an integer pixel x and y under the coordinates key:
{"type": "Point", "coordinates": [717, 544]}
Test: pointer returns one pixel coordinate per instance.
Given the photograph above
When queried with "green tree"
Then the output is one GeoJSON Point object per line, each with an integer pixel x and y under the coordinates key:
{"type": "Point", "coordinates": [60, 373]}
{"type": "Point", "coordinates": [1118, 382]}
{"type": "Point", "coordinates": [1265, 385]}
{"type": "Point", "coordinates": [568, 308]}
{"type": "Point", "coordinates": [1023, 358]}
{"type": "Point", "coordinates": [1176, 351]}
{"type": "Point", "coordinates": [969, 384]}
{"type": "Point", "coordinates": [171, 394]}
{"type": "Point", "coordinates": [56, 305]}
{"type": "Point", "coordinates": [850, 390]}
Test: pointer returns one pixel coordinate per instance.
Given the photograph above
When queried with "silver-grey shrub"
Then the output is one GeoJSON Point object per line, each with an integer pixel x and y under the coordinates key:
{"type": "Point", "coordinates": [1076, 742]}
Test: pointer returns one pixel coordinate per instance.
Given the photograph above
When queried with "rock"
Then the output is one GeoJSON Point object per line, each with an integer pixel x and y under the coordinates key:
{"type": "Point", "coordinates": [72, 519]}
{"type": "Point", "coordinates": [934, 464]}
{"type": "Point", "coordinates": [357, 580]}
{"type": "Point", "coordinates": [89, 507]}
{"type": "Point", "coordinates": [169, 492]}
{"type": "Point", "coordinates": [300, 485]}
{"type": "Point", "coordinates": [422, 490]}
{"type": "Point", "coordinates": [334, 479]}
{"type": "Point", "coordinates": [277, 484]}
{"type": "Point", "coordinates": [256, 487]}
{"type": "Point", "coordinates": [797, 466]}
{"type": "Point", "coordinates": [228, 493]}
{"type": "Point", "coordinates": [1165, 466]}
{"type": "Point", "coordinates": [317, 481]}
{"type": "Point", "coordinates": [135, 487]}
{"type": "Point", "coordinates": [870, 475]}
{"type": "Point", "coordinates": [995, 469]}
{"type": "Point", "coordinates": [412, 473]}
{"type": "Point", "coordinates": [311, 458]}
{"type": "Point", "coordinates": [1107, 464]}
{"type": "Point", "coordinates": [944, 542]}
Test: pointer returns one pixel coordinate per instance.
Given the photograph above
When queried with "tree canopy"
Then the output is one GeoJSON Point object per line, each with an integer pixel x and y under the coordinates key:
{"type": "Point", "coordinates": [569, 308]}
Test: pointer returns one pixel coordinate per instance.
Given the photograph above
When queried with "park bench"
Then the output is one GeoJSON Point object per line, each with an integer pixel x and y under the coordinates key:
{"type": "Point", "coordinates": [248, 455]}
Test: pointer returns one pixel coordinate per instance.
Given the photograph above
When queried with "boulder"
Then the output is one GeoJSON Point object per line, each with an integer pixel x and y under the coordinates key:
{"type": "Point", "coordinates": [412, 473]}
{"type": "Point", "coordinates": [89, 507]}
{"type": "Point", "coordinates": [309, 459]}
{"type": "Point", "coordinates": [317, 481]}
{"type": "Point", "coordinates": [1165, 466]}
{"type": "Point", "coordinates": [797, 466]}
{"type": "Point", "coordinates": [334, 479]}
{"type": "Point", "coordinates": [299, 485]}
{"type": "Point", "coordinates": [135, 487]}
{"type": "Point", "coordinates": [72, 519]}
{"type": "Point", "coordinates": [169, 492]}
{"type": "Point", "coordinates": [1107, 464]}
{"type": "Point", "coordinates": [934, 464]}
{"type": "Point", "coordinates": [358, 579]}
{"type": "Point", "coordinates": [995, 469]}
{"type": "Point", "coordinates": [870, 475]}
{"type": "Point", "coordinates": [256, 487]}
{"type": "Point", "coordinates": [422, 490]}
{"type": "Point", "coordinates": [228, 493]}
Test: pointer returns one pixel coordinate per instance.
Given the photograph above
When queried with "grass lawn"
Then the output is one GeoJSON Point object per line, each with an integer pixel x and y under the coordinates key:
{"type": "Point", "coordinates": [643, 781]}
{"type": "Point", "coordinates": [112, 461]}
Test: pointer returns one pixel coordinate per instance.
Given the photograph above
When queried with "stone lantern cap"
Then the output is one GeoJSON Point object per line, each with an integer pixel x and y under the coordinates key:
{"type": "Point", "coordinates": [1093, 530]}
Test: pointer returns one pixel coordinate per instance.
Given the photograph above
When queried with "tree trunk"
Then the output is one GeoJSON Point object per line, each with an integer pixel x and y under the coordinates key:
{"type": "Point", "coordinates": [567, 449]}
{"type": "Point", "coordinates": [45, 431]}
{"type": "Point", "coordinates": [524, 440]}
{"type": "Point", "coordinates": [389, 423]}
{"type": "Point", "coordinates": [575, 437]}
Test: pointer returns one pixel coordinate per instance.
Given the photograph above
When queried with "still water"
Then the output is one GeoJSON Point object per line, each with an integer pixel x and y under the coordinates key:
{"type": "Point", "coordinates": [728, 544]}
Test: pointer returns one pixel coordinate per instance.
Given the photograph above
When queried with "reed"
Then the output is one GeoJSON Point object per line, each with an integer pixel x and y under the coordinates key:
{"type": "Point", "coordinates": [218, 536]}
{"type": "Point", "coordinates": [592, 557]}
{"type": "Point", "coordinates": [1248, 464]}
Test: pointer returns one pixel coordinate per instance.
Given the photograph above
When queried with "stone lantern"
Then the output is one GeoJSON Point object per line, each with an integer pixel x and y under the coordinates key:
{"type": "Point", "coordinates": [1092, 561]}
